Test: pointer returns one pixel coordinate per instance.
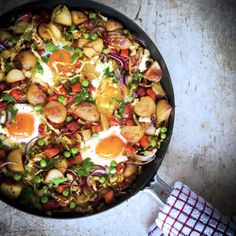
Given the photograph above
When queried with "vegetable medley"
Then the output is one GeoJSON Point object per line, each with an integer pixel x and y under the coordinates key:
{"type": "Point", "coordinates": [82, 110]}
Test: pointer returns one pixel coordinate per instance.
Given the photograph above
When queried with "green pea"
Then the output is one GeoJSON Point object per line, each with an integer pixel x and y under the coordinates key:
{"type": "Point", "coordinates": [85, 83]}
{"type": "Point", "coordinates": [61, 99]}
{"type": "Point", "coordinates": [43, 163]}
{"type": "Point", "coordinates": [44, 199]}
{"type": "Point", "coordinates": [105, 50]}
{"type": "Point", "coordinates": [92, 16]}
{"type": "Point", "coordinates": [38, 108]}
{"type": "Point", "coordinates": [153, 143]}
{"type": "Point", "coordinates": [67, 154]}
{"type": "Point", "coordinates": [73, 27]}
{"type": "Point", "coordinates": [102, 179]}
{"type": "Point", "coordinates": [72, 205]}
{"type": "Point", "coordinates": [74, 150]}
{"type": "Point", "coordinates": [69, 118]}
{"type": "Point", "coordinates": [94, 36]}
{"type": "Point", "coordinates": [163, 130]}
{"type": "Point", "coordinates": [37, 179]}
{"type": "Point", "coordinates": [112, 170]}
{"type": "Point", "coordinates": [113, 164]}
{"type": "Point", "coordinates": [66, 193]}
{"type": "Point", "coordinates": [40, 142]}
{"type": "Point", "coordinates": [163, 136]}
{"type": "Point", "coordinates": [17, 176]}
{"type": "Point", "coordinates": [86, 35]}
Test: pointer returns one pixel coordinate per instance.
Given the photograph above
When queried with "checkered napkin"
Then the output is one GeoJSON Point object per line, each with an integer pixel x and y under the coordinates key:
{"type": "Point", "coordinates": [185, 213]}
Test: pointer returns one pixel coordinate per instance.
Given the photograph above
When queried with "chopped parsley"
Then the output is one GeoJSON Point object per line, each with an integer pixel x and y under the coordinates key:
{"type": "Point", "coordinates": [120, 110]}
{"type": "Point", "coordinates": [15, 39]}
{"type": "Point", "coordinates": [27, 36]}
{"type": "Point", "coordinates": [84, 168]}
{"type": "Point", "coordinates": [69, 37]}
{"type": "Point", "coordinates": [45, 59]}
{"type": "Point", "coordinates": [8, 68]}
{"type": "Point", "coordinates": [110, 74]}
{"type": "Point", "coordinates": [78, 53]}
{"type": "Point", "coordinates": [68, 48]}
{"type": "Point", "coordinates": [39, 68]}
{"type": "Point", "coordinates": [7, 98]}
{"type": "Point", "coordinates": [51, 47]}
{"type": "Point", "coordinates": [55, 182]}
{"type": "Point", "coordinates": [13, 111]}
{"type": "Point", "coordinates": [135, 79]}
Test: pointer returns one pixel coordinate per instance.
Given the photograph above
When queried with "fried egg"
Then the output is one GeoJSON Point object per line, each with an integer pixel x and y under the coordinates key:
{"type": "Point", "coordinates": [25, 127]}
{"type": "Point", "coordinates": [106, 147]}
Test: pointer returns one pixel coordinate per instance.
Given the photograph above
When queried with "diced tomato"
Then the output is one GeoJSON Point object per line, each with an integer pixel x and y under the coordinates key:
{"type": "Point", "coordinates": [144, 141]}
{"type": "Point", "coordinates": [78, 64]}
{"type": "Point", "coordinates": [70, 98]}
{"type": "Point", "coordinates": [73, 126]}
{"type": "Point", "coordinates": [141, 91]}
{"type": "Point", "coordinates": [75, 160]}
{"type": "Point", "coordinates": [76, 88]}
{"type": "Point", "coordinates": [109, 196]}
{"type": "Point", "coordinates": [78, 146]}
{"type": "Point", "coordinates": [41, 129]}
{"type": "Point", "coordinates": [2, 87]}
{"type": "Point", "coordinates": [51, 152]}
{"type": "Point", "coordinates": [113, 121]}
{"type": "Point", "coordinates": [52, 204]}
{"type": "Point", "coordinates": [151, 94]}
{"type": "Point", "coordinates": [124, 52]}
{"type": "Point", "coordinates": [129, 122]}
{"type": "Point", "coordinates": [63, 91]}
{"type": "Point", "coordinates": [128, 111]}
{"type": "Point", "coordinates": [130, 149]}
{"type": "Point", "coordinates": [61, 188]}
{"type": "Point", "coordinates": [53, 98]}
{"type": "Point", "coordinates": [41, 51]}
{"type": "Point", "coordinates": [97, 128]}
{"type": "Point", "coordinates": [91, 89]}
{"type": "Point", "coordinates": [17, 94]}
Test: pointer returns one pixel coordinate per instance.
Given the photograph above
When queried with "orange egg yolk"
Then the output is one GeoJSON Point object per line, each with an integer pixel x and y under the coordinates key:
{"type": "Point", "coordinates": [23, 126]}
{"type": "Point", "coordinates": [61, 62]}
{"type": "Point", "coordinates": [110, 147]}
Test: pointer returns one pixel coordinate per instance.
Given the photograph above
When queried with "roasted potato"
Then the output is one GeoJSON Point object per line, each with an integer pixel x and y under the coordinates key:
{"type": "Point", "coordinates": [130, 171]}
{"type": "Point", "coordinates": [132, 133]}
{"type": "Point", "coordinates": [61, 15]}
{"type": "Point", "coordinates": [49, 31]}
{"type": "Point", "coordinates": [104, 121]}
{"type": "Point", "coordinates": [25, 60]}
{"type": "Point", "coordinates": [35, 95]}
{"type": "Point", "coordinates": [163, 111]}
{"type": "Point", "coordinates": [158, 90]}
{"type": "Point", "coordinates": [89, 71]}
{"type": "Point", "coordinates": [93, 48]}
{"type": "Point", "coordinates": [82, 42]}
{"type": "Point", "coordinates": [20, 27]}
{"type": "Point", "coordinates": [112, 25]}
{"type": "Point", "coordinates": [145, 107]}
{"type": "Point", "coordinates": [119, 41]}
{"type": "Point", "coordinates": [14, 75]}
{"type": "Point", "coordinates": [61, 165]}
{"type": "Point", "coordinates": [4, 35]}
{"type": "Point", "coordinates": [55, 112]}
{"type": "Point", "coordinates": [87, 111]}
{"type": "Point", "coordinates": [52, 174]}
{"type": "Point", "coordinates": [11, 190]}
{"type": "Point", "coordinates": [78, 17]}
{"type": "Point", "coordinates": [154, 72]}
{"type": "Point", "coordinates": [16, 157]}
{"type": "Point", "coordinates": [86, 134]}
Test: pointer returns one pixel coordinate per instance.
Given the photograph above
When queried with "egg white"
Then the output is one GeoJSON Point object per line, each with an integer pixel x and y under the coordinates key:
{"type": "Point", "coordinates": [10, 140]}
{"type": "Point", "coordinates": [88, 148]}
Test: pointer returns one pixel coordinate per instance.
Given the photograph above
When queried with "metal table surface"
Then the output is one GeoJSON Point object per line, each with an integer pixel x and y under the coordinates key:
{"type": "Point", "coordinates": [197, 40]}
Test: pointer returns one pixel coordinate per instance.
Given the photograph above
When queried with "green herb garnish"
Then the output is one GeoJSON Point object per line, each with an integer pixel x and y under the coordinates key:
{"type": "Point", "coordinates": [13, 111]}
{"type": "Point", "coordinates": [7, 98]}
{"type": "Point", "coordinates": [57, 181]}
{"type": "Point", "coordinates": [84, 168]}
{"type": "Point", "coordinates": [68, 48]}
{"type": "Point", "coordinates": [27, 36]}
{"type": "Point", "coordinates": [69, 37]}
{"type": "Point", "coordinates": [51, 47]}
{"type": "Point", "coordinates": [39, 68]}
{"type": "Point", "coordinates": [45, 59]}
{"type": "Point", "coordinates": [78, 53]}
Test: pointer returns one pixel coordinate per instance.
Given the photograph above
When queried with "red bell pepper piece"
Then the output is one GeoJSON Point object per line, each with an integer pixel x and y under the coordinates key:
{"type": "Point", "coordinates": [51, 152]}
{"type": "Point", "coordinates": [76, 88]}
{"type": "Point", "coordinates": [151, 94]}
{"type": "Point", "coordinates": [144, 141]}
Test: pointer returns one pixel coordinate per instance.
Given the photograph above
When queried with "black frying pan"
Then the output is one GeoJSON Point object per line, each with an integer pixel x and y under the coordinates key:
{"type": "Point", "coordinates": [150, 169]}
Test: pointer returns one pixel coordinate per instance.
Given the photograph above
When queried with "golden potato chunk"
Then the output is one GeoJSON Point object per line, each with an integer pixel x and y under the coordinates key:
{"type": "Point", "coordinates": [163, 111]}
{"type": "Point", "coordinates": [112, 25]}
{"type": "Point", "coordinates": [78, 17]}
{"type": "Point", "coordinates": [35, 95]}
{"type": "Point", "coordinates": [154, 72]}
{"type": "Point", "coordinates": [145, 107]}
{"type": "Point", "coordinates": [11, 190]}
{"type": "Point", "coordinates": [14, 75]}
{"type": "Point", "coordinates": [25, 60]}
{"type": "Point", "coordinates": [132, 133]}
{"type": "Point", "coordinates": [16, 157]}
{"type": "Point", "coordinates": [61, 15]}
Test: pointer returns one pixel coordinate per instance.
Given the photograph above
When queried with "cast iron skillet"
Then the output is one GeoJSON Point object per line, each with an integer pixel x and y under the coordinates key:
{"type": "Point", "coordinates": [150, 169]}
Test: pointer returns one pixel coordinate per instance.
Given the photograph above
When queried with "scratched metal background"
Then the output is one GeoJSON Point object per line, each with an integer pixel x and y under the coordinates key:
{"type": "Point", "coordinates": [198, 42]}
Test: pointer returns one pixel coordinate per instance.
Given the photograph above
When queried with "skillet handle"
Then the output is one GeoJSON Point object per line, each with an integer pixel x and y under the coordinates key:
{"type": "Point", "coordinates": [159, 189]}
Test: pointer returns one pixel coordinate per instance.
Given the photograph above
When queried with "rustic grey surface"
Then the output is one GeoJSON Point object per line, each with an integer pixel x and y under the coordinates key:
{"type": "Point", "coordinates": [197, 40]}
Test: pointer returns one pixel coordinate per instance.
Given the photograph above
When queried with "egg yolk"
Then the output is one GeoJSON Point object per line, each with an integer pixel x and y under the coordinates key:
{"type": "Point", "coordinates": [110, 147]}
{"type": "Point", "coordinates": [23, 126]}
{"type": "Point", "coordinates": [105, 93]}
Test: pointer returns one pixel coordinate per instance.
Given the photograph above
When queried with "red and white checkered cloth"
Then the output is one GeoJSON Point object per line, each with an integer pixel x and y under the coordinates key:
{"type": "Point", "coordinates": [185, 213]}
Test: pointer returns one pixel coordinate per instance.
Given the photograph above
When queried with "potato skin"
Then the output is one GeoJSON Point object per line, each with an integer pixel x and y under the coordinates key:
{"type": "Point", "coordinates": [11, 190]}
{"type": "Point", "coordinates": [78, 17]}
{"type": "Point", "coordinates": [145, 107]}
{"type": "Point", "coordinates": [119, 41]}
{"type": "Point", "coordinates": [25, 60]}
{"type": "Point", "coordinates": [112, 25]}
{"type": "Point", "coordinates": [35, 95]}
{"type": "Point", "coordinates": [163, 111]}
{"type": "Point", "coordinates": [14, 75]}
{"type": "Point", "coordinates": [93, 48]}
{"type": "Point", "coordinates": [55, 112]}
{"type": "Point", "coordinates": [132, 133]}
{"type": "Point", "coordinates": [87, 111]}
{"type": "Point", "coordinates": [15, 156]}
{"type": "Point", "coordinates": [61, 15]}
